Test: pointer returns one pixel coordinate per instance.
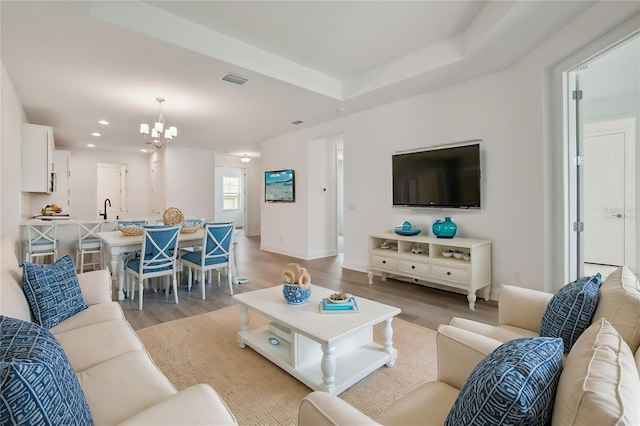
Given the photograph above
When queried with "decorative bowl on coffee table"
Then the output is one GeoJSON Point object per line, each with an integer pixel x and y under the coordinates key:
{"type": "Point", "coordinates": [295, 294]}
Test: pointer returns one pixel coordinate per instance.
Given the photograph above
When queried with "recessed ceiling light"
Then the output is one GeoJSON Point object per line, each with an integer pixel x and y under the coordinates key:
{"type": "Point", "coordinates": [297, 122]}
{"type": "Point", "coordinates": [143, 150]}
{"type": "Point", "coordinates": [90, 145]}
{"type": "Point", "coordinates": [95, 134]}
{"type": "Point", "coordinates": [103, 122]}
{"type": "Point", "coordinates": [342, 109]}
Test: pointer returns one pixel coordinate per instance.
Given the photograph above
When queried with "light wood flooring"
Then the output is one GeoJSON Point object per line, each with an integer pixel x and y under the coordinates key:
{"type": "Point", "coordinates": [420, 305]}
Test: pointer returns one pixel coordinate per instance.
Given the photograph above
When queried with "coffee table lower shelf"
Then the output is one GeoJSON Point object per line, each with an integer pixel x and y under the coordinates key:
{"type": "Point", "coordinates": [303, 358]}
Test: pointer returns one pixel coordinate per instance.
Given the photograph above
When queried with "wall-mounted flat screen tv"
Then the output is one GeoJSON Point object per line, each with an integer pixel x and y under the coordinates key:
{"type": "Point", "coordinates": [443, 177]}
{"type": "Point", "coordinates": [280, 186]}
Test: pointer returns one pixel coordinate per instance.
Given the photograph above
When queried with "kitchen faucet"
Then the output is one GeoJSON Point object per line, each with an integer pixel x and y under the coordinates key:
{"type": "Point", "coordinates": [104, 215]}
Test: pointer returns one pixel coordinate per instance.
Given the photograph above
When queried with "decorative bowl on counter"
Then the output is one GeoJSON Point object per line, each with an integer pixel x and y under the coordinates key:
{"type": "Point", "coordinates": [457, 254]}
{"type": "Point", "coordinates": [130, 229]}
{"type": "Point", "coordinates": [447, 253]}
{"type": "Point", "coordinates": [190, 225]}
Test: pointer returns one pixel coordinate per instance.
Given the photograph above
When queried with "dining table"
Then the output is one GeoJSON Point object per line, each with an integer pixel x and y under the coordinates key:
{"type": "Point", "coordinates": [119, 245]}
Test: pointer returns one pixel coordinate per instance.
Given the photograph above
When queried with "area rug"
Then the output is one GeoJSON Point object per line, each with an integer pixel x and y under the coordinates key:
{"type": "Point", "coordinates": [204, 349]}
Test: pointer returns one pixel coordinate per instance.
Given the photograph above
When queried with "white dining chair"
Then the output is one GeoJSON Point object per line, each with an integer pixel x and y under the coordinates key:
{"type": "Point", "coordinates": [157, 259]}
{"type": "Point", "coordinates": [189, 224]}
{"type": "Point", "coordinates": [214, 255]}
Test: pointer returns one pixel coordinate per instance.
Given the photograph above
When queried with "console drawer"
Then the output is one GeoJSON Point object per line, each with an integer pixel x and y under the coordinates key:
{"type": "Point", "coordinates": [413, 267]}
{"type": "Point", "coordinates": [384, 262]}
{"type": "Point", "coordinates": [450, 273]}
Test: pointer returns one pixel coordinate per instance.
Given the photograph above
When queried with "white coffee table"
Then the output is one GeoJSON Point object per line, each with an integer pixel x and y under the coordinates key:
{"type": "Point", "coordinates": [327, 352]}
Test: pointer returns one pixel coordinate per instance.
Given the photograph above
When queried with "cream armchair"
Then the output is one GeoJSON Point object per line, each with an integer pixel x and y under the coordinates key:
{"type": "Point", "coordinates": [520, 312]}
{"type": "Point", "coordinates": [459, 351]}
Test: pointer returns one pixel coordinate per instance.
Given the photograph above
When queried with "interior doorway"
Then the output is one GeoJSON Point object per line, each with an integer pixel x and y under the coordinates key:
{"type": "Point", "coordinates": [340, 197]}
{"type": "Point", "coordinates": [609, 193]}
{"type": "Point", "coordinates": [230, 195]}
{"type": "Point", "coordinates": [602, 184]}
{"type": "Point", "coordinates": [111, 190]}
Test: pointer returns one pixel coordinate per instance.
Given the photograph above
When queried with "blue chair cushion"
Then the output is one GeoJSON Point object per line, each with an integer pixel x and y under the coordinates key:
{"type": "Point", "coordinates": [513, 385]}
{"type": "Point", "coordinates": [53, 291]}
{"type": "Point", "coordinates": [43, 243]}
{"type": "Point", "coordinates": [37, 383]}
{"type": "Point", "coordinates": [196, 258]}
{"type": "Point", "coordinates": [571, 309]}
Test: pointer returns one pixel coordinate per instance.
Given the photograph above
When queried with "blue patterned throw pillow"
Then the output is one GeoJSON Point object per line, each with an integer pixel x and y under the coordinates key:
{"type": "Point", "coordinates": [571, 309]}
{"type": "Point", "coordinates": [514, 385]}
{"type": "Point", "coordinates": [53, 291]}
{"type": "Point", "coordinates": [37, 383]}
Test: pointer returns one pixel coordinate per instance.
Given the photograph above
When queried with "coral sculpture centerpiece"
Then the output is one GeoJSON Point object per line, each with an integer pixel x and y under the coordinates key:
{"type": "Point", "coordinates": [297, 284]}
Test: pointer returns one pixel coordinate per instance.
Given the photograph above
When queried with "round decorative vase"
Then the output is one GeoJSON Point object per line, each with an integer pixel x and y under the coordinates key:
{"type": "Point", "coordinates": [296, 295]}
{"type": "Point", "coordinates": [444, 228]}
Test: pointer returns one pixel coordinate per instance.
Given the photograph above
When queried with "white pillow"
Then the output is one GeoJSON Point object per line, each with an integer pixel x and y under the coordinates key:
{"type": "Point", "coordinates": [619, 304]}
{"type": "Point", "coordinates": [599, 384]}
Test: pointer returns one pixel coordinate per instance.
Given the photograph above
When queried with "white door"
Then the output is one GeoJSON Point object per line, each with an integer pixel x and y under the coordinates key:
{"type": "Point", "coordinates": [604, 199]}
{"type": "Point", "coordinates": [110, 187]}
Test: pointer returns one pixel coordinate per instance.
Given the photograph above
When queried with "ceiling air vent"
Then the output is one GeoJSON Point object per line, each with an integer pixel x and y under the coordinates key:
{"type": "Point", "coordinates": [234, 78]}
{"type": "Point", "coordinates": [297, 122]}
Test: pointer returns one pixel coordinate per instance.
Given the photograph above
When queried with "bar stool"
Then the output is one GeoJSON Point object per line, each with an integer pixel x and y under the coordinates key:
{"type": "Point", "coordinates": [89, 244]}
{"type": "Point", "coordinates": [41, 241]}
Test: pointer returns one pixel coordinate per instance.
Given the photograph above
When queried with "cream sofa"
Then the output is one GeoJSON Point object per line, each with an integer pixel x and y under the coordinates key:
{"type": "Point", "coordinates": [121, 383]}
{"type": "Point", "coordinates": [599, 383]}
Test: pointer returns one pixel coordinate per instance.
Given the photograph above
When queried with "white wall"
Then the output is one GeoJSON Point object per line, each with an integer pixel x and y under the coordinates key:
{"type": "Point", "coordinates": [12, 116]}
{"type": "Point", "coordinates": [82, 182]}
{"type": "Point", "coordinates": [322, 189]}
{"type": "Point", "coordinates": [511, 111]}
{"type": "Point", "coordinates": [285, 225]}
{"type": "Point", "coordinates": [190, 177]}
{"type": "Point", "coordinates": [453, 114]}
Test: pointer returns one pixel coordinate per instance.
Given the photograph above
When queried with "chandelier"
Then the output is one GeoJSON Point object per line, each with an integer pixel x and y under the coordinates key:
{"type": "Point", "coordinates": [157, 137]}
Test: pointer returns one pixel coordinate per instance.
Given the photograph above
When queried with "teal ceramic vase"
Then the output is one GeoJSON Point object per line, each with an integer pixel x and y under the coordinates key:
{"type": "Point", "coordinates": [444, 228]}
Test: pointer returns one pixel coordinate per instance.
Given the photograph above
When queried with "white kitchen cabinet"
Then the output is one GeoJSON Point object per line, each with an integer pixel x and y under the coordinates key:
{"type": "Point", "coordinates": [420, 260]}
{"type": "Point", "coordinates": [37, 159]}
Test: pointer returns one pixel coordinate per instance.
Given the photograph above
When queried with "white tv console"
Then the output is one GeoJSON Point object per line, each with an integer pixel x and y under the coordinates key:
{"type": "Point", "coordinates": [430, 266]}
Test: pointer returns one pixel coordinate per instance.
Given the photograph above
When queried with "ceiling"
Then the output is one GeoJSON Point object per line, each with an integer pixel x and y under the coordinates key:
{"type": "Point", "coordinates": [74, 63]}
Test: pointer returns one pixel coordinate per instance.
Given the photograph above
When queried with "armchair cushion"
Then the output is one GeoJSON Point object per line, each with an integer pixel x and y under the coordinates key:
{"type": "Point", "coordinates": [37, 383]}
{"type": "Point", "coordinates": [53, 291]}
{"type": "Point", "coordinates": [515, 384]}
{"type": "Point", "coordinates": [571, 309]}
{"type": "Point", "coordinates": [620, 305]}
{"type": "Point", "coordinates": [599, 384]}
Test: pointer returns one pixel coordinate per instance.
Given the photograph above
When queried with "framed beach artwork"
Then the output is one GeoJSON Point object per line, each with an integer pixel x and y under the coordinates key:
{"type": "Point", "coordinates": [279, 186]}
